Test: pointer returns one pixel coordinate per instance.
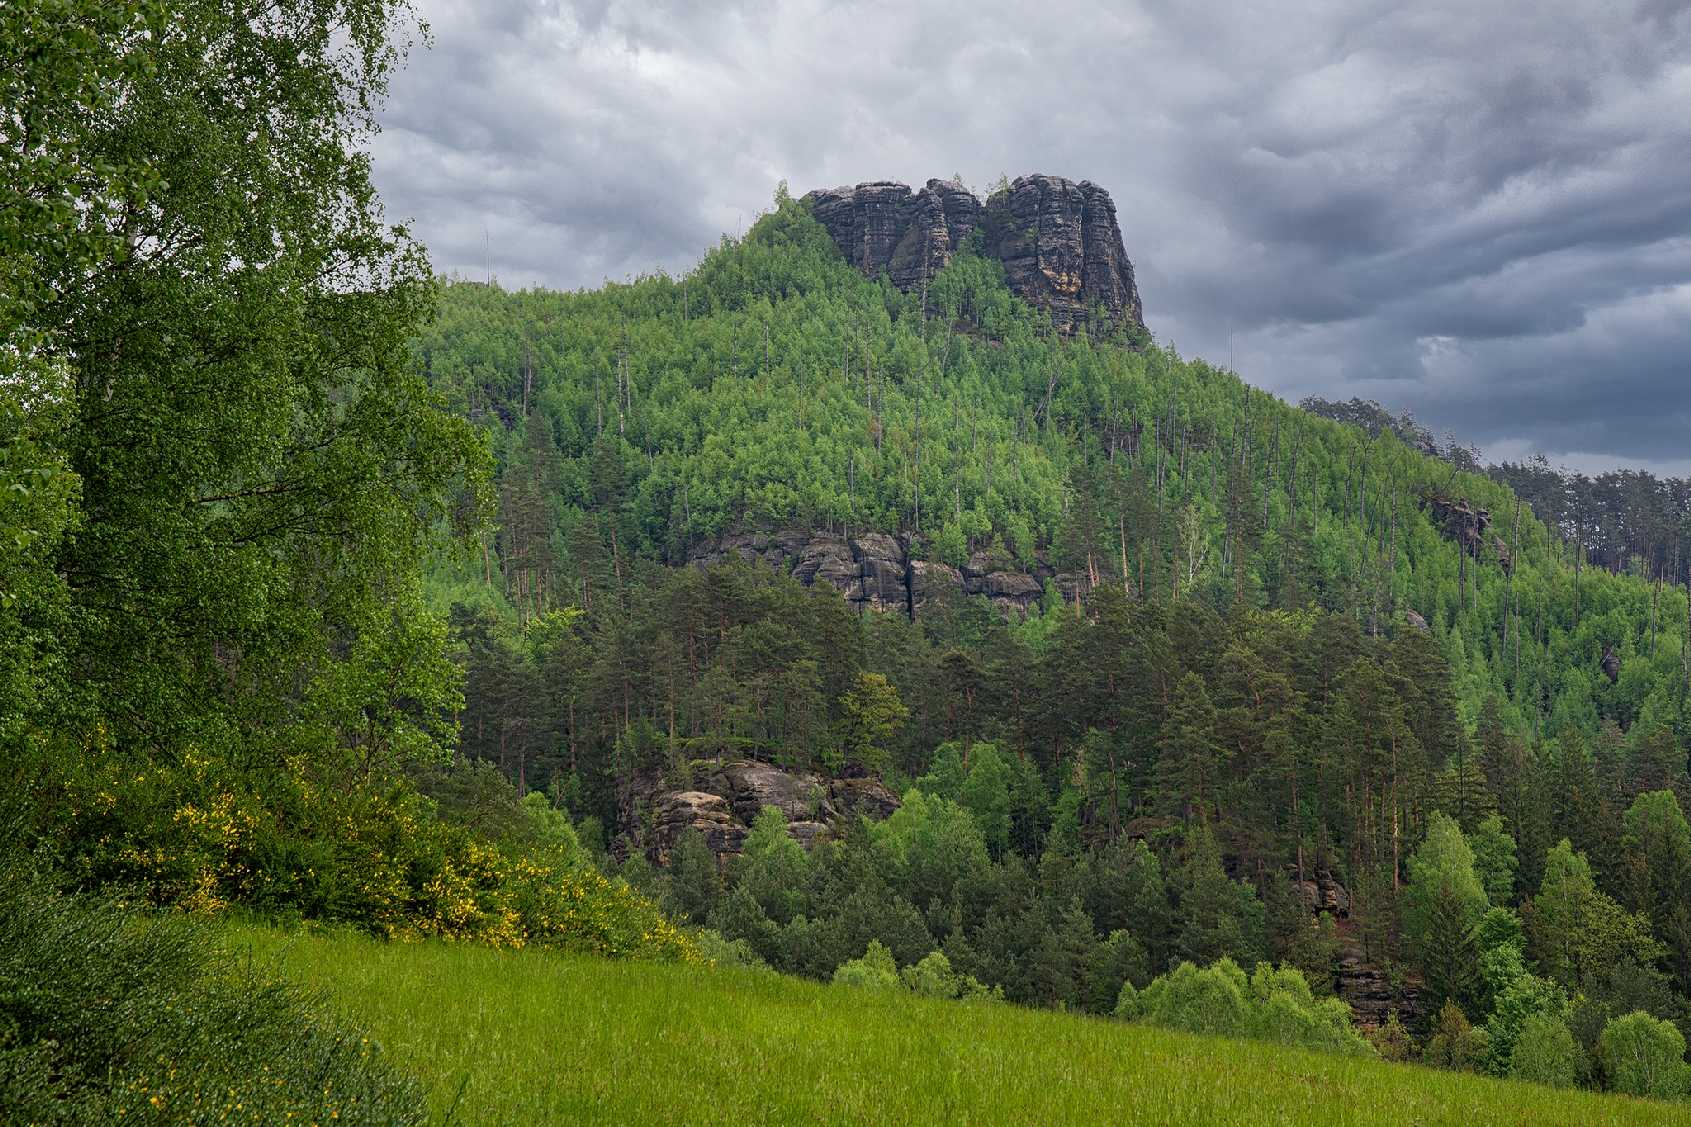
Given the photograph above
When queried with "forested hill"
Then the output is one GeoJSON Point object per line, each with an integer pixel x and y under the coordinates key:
{"type": "Point", "coordinates": [775, 388]}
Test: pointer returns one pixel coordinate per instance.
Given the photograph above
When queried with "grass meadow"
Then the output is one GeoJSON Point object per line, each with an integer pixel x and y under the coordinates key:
{"type": "Point", "coordinates": [515, 1037]}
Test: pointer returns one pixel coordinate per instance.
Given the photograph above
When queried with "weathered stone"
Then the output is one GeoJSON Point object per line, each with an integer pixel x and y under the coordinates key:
{"type": "Point", "coordinates": [1059, 241]}
{"type": "Point", "coordinates": [749, 786]}
{"type": "Point", "coordinates": [987, 561]}
{"type": "Point", "coordinates": [725, 800]}
{"type": "Point", "coordinates": [868, 797]}
{"type": "Point", "coordinates": [1415, 620]}
{"type": "Point", "coordinates": [676, 812]}
{"type": "Point", "coordinates": [1370, 992]}
{"type": "Point", "coordinates": [882, 227]}
{"type": "Point", "coordinates": [808, 834]}
{"type": "Point", "coordinates": [1062, 249]}
{"type": "Point", "coordinates": [1321, 893]}
{"type": "Point", "coordinates": [1462, 522]}
{"type": "Point", "coordinates": [932, 583]}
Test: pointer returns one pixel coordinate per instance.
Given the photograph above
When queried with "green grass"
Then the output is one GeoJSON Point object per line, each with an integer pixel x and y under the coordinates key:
{"type": "Point", "coordinates": [540, 1037]}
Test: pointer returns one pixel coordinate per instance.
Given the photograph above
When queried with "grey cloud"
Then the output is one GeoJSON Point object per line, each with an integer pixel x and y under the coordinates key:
{"type": "Point", "coordinates": [1478, 210]}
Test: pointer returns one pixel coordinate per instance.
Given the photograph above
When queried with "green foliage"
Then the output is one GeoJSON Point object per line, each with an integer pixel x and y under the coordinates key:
{"type": "Point", "coordinates": [773, 867]}
{"type": "Point", "coordinates": [871, 714]}
{"type": "Point", "coordinates": [874, 970]}
{"type": "Point", "coordinates": [1222, 917]}
{"type": "Point", "coordinates": [1644, 1056]}
{"type": "Point", "coordinates": [695, 883]}
{"type": "Point", "coordinates": [1270, 1005]}
{"type": "Point", "coordinates": [109, 1014]}
{"type": "Point", "coordinates": [932, 846]}
{"type": "Point", "coordinates": [1578, 933]}
{"type": "Point", "coordinates": [932, 977]}
{"type": "Point", "coordinates": [1494, 859]}
{"type": "Point", "coordinates": [1545, 1052]}
{"type": "Point", "coordinates": [1455, 1043]}
{"type": "Point", "coordinates": [1525, 998]}
{"type": "Point", "coordinates": [1443, 904]}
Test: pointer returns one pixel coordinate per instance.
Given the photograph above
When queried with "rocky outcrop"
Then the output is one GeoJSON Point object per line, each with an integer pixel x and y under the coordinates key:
{"type": "Point", "coordinates": [875, 572]}
{"type": "Point", "coordinates": [1467, 525]}
{"type": "Point", "coordinates": [1321, 893]}
{"type": "Point", "coordinates": [676, 812]}
{"type": "Point", "coordinates": [1059, 241]}
{"type": "Point", "coordinates": [882, 227]}
{"type": "Point", "coordinates": [722, 802]}
{"type": "Point", "coordinates": [1062, 249]}
{"type": "Point", "coordinates": [1370, 992]}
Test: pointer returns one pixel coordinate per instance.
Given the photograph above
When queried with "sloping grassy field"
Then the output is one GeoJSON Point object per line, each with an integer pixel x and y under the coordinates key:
{"type": "Point", "coordinates": [539, 1037]}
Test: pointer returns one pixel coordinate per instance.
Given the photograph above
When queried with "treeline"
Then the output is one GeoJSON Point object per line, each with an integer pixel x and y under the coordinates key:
{"type": "Point", "coordinates": [1620, 520]}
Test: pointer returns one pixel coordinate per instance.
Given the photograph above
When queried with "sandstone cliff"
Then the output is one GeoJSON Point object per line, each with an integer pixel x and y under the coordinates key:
{"type": "Point", "coordinates": [721, 803]}
{"type": "Point", "coordinates": [1059, 241]}
{"type": "Point", "coordinates": [875, 572]}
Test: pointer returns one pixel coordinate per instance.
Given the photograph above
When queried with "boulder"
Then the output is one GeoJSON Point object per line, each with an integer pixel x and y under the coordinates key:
{"type": "Point", "coordinates": [932, 583]}
{"type": "Point", "coordinates": [808, 834]}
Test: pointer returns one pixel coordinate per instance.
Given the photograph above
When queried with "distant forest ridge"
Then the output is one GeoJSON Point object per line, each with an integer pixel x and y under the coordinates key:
{"type": "Point", "coordinates": [1621, 519]}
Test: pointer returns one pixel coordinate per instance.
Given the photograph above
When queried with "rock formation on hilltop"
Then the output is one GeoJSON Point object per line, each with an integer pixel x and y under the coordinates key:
{"type": "Point", "coordinates": [1059, 242]}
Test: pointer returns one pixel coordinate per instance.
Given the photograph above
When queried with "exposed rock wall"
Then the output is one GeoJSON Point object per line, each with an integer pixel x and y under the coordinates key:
{"type": "Point", "coordinates": [1059, 241]}
{"type": "Point", "coordinates": [1062, 249]}
{"type": "Point", "coordinates": [883, 227]}
{"type": "Point", "coordinates": [1468, 525]}
{"type": "Point", "coordinates": [875, 572]}
{"type": "Point", "coordinates": [723, 801]}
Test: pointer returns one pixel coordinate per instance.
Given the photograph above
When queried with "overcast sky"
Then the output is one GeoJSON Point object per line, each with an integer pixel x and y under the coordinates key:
{"type": "Point", "coordinates": [1480, 210]}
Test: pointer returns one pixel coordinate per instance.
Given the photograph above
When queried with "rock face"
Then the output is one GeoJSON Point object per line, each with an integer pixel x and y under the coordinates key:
{"type": "Point", "coordinates": [723, 801]}
{"type": "Point", "coordinates": [882, 227]}
{"type": "Point", "coordinates": [1321, 893]}
{"type": "Point", "coordinates": [875, 571]}
{"type": "Point", "coordinates": [1370, 992]}
{"type": "Point", "coordinates": [1059, 242]}
{"type": "Point", "coordinates": [1467, 525]}
{"type": "Point", "coordinates": [1062, 250]}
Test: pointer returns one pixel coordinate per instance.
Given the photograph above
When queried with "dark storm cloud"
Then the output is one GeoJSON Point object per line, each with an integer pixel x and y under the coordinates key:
{"type": "Point", "coordinates": [1477, 210]}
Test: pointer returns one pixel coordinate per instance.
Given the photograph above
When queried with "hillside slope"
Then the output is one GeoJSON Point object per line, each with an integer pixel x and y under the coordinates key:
{"type": "Point", "coordinates": [776, 390]}
{"type": "Point", "coordinates": [536, 1037]}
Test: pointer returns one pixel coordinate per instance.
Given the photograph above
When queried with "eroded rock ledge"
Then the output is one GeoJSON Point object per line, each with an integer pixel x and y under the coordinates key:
{"type": "Point", "coordinates": [875, 572]}
{"type": "Point", "coordinates": [1059, 241]}
{"type": "Point", "coordinates": [721, 803]}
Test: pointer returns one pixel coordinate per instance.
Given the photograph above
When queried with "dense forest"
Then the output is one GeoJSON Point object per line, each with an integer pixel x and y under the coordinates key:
{"type": "Point", "coordinates": [331, 592]}
{"type": "Point", "coordinates": [1296, 688]}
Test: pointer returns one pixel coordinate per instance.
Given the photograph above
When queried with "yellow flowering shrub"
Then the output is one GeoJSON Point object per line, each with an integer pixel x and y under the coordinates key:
{"type": "Point", "coordinates": [202, 837]}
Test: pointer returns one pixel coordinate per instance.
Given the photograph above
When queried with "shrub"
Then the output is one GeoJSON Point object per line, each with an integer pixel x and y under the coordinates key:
{"type": "Point", "coordinates": [106, 1013]}
{"type": "Point", "coordinates": [202, 836]}
{"type": "Point", "coordinates": [1273, 1004]}
{"type": "Point", "coordinates": [1455, 1043]}
{"type": "Point", "coordinates": [1645, 1056]}
{"type": "Point", "coordinates": [1545, 1052]}
{"type": "Point", "coordinates": [874, 971]}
